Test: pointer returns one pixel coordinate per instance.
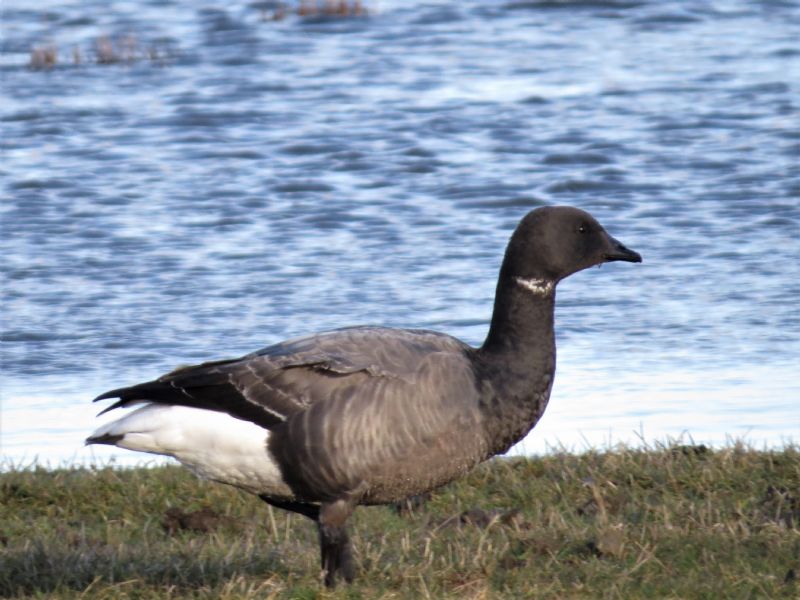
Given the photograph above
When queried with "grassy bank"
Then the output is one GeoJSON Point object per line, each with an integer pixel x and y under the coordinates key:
{"type": "Point", "coordinates": [674, 522]}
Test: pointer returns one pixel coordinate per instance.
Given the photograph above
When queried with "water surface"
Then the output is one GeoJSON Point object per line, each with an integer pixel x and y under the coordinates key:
{"type": "Point", "coordinates": [236, 181]}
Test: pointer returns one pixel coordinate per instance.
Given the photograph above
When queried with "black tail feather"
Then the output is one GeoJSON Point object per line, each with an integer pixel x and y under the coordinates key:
{"type": "Point", "coordinates": [106, 438]}
{"type": "Point", "coordinates": [208, 386]}
{"type": "Point", "coordinates": [153, 391]}
{"type": "Point", "coordinates": [117, 404]}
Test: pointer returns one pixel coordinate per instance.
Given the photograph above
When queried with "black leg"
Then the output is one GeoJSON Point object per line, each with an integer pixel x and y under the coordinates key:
{"type": "Point", "coordinates": [307, 510]}
{"type": "Point", "coordinates": [334, 543]}
{"type": "Point", "coordinates": [335, 547]}
{"type": "Point", "coordinates": [336, 553]}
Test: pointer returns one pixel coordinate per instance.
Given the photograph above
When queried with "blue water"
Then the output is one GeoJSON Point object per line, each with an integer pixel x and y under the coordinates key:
{"type": "Point", "coordinates": [235, 181]}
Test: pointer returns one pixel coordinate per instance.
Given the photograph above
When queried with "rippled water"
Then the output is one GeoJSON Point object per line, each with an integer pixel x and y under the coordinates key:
{"type": "Point", "coordinates": [234, 181]}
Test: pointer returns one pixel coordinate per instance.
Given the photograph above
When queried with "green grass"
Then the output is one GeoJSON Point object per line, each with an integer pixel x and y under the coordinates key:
{"type": "Point", "coordinates": [669, 522]}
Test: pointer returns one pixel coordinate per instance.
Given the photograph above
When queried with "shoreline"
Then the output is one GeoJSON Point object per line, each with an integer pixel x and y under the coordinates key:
{"type": "Point", "coordinates": [676, 521]}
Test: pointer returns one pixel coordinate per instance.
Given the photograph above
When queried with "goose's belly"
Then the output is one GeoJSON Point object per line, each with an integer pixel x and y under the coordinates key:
{"type": "Point", "coordinates": [221, 448]}
{"type": "Point", "coordinates": [425, 469]}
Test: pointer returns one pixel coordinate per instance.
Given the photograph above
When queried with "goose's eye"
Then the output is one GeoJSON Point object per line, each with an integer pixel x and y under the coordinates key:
{"type": "Point", "coordinates": [583, 228]}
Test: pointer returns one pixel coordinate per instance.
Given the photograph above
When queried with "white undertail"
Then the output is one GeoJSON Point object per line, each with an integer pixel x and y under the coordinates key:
{"type": "Point", "coordinates": [214, 445]}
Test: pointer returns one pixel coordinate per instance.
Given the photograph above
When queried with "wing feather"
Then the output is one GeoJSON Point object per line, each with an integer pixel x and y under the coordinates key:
{"type": "Point", "coordinates": [271, 385]}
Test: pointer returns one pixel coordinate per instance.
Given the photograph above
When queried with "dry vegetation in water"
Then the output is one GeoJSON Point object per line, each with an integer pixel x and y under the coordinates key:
{"type": "Point", "coordinates": [669, 522]}
{"type": "Point", "coordinates": [104, 50]}
{"type": "Point", "coordinates": [129, 49]}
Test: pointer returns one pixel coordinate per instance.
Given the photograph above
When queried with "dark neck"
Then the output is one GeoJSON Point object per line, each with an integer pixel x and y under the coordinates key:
{"type": "Point", "coordinates": [522, 321]}
{"type": "Point", "coordinates": [517, 360]}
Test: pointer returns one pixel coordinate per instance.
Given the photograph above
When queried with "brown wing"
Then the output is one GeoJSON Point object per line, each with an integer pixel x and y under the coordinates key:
{"type": "Point", "coordinates": [271, 385]}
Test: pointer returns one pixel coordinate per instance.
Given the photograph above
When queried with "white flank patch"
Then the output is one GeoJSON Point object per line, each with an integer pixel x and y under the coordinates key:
{"type": "Point", "coordinates": [540, 287]}
{"type": "Point", "coordinates": [212, 444]}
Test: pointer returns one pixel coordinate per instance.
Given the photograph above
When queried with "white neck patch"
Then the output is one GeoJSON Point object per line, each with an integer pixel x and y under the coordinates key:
{"type": "Point", "coordinates": [538, 287]}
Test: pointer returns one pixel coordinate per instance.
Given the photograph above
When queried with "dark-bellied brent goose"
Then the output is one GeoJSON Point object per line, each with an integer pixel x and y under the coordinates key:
{"type": "Point", "coordinates": [371, 415]}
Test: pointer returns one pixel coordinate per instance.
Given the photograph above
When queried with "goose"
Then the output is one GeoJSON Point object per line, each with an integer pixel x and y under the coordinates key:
{"type": "Point", "coordinates": [371, 415]}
